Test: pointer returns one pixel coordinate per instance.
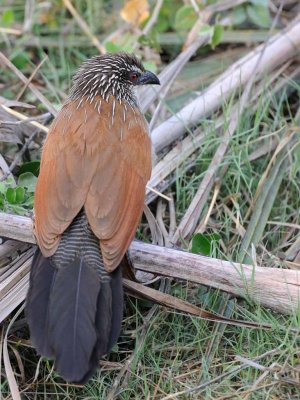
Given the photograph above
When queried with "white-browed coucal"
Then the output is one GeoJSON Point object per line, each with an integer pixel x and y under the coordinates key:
{"type": "Point", "coordinates": [89, 198]}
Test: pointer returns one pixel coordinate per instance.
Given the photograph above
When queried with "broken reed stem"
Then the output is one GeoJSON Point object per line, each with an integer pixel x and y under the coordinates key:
{"type": "Point", "coordinates": [24, 118]}
{"type": "Point", "coordinates": [271, 287]}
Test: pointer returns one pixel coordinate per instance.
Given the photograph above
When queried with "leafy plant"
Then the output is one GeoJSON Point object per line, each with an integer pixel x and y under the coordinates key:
{"type": "Point", "coordinates": [18, 199]}
{"type": "Point", "coordinates": [31, 166]}
{"type": "Point", "coordinates": [203, 244]}
{"type": "Point", "coordinates": [7, 18]}
{"type": "Point", "coordinates": [259, 14]}
{"type": "Point", "coordinates": [185, 18]}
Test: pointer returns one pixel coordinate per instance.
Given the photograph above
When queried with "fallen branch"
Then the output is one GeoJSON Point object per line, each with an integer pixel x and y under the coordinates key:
{"type": "Point", "coordinates": [271, 54]}
{"type": "Point", "coordinates": [274, 288]}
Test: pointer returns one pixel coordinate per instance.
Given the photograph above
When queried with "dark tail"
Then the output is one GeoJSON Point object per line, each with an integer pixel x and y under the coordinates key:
{"type": "Point", "coordinates": [74, 315]}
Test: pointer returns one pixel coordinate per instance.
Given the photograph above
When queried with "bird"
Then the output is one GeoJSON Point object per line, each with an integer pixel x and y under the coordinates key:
{"type": "Point", "coordinates": [89, 198]}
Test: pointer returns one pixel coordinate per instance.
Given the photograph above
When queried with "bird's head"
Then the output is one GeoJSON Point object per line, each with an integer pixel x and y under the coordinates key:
{"type": "Point", "coordinates": [111, 74]}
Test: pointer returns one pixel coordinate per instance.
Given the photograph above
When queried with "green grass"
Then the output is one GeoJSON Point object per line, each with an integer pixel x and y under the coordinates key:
{"type": "Point", "coordinates": [170, 351]}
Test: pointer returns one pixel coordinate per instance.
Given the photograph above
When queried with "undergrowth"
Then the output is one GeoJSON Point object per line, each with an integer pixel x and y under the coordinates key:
{"type": "Point", "coordinates": [170, 352]}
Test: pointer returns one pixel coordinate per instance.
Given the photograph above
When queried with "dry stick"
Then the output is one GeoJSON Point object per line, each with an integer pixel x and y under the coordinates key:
{"type": "Point", "coordinates": [172, 218]}
{"type": "Point", "coordinates": [147, 95]}
{"type": "Point", "coordinates": [23, 78]}
{"type": "Point", "coordinates": [203, 225]}
{"type": "Point", "coordinates": [31, 78]}
{"type": "Point", "coordinates": [29, 15]}
{"type": "Point", "coordinates": [155, 230]}
{"type": "Point", "coordinates": [153, 18]}
{"type": "Point", "coordinates": [5, 170]}
{"type": "Point", "coordinates": [275, 288]}
{"type": "Point", "coordinates": [10, 31]}
{"type": "Point", "coordinates": [24, 118]}
{"type": "Point", "coordinates": [7, 364]}
{"type": "Point", "coordinates": [83, 25]}
{"type": "Point", "coordinates": [276, 51]}
{"type": "Point", "coordinates": [14, 284]}
{"type": "Point", "coordinates": [292, 252]}
{"type": "Point", "coordinates": [159, 218]}
{"type": "Point", "coordinates": [203, 18]}
{"type": "Point", "coordinates": [172, 160]}
{"type": "Point", "coordinates": [157, 193]}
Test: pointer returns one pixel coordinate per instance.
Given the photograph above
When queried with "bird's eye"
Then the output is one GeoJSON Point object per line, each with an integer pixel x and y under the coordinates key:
{"type": "Point", "coordinates": [133, 76]}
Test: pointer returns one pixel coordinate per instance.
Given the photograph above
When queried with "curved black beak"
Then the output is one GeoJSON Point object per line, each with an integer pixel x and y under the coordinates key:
{"type": "Point", "coordinates": [148, 78]}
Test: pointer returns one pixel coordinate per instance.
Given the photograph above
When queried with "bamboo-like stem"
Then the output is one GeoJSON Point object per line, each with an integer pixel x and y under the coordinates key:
{"type": "Point", "coordinates": [276, 51]}
{"type": "Point", "coordinates": [274, 288]}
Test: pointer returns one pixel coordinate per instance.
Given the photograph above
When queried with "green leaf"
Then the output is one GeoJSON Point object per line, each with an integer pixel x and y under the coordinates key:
{"type": "Point", "coordinates": [259, 14]}
{"type": "Point", "coordinates": [27, 180]}
{"type": "Point", "coordinates": [3, 187]}
{"type": "Point", "coordinates": [166, 18]}
{"type": "Point", "coordinates": [239, 15]}
{"type": "Point", "coordinates": [32, 166]}
{"type": "Point", "coordinates": [162, 24]}
{"type": "Point", "coordinates": [8, 17]}
{"type": "Point", "coordinates": [206, 28]}
{"type": "Point", "coordinates": [185, 18]}
{"type": "Point", "coordinates": [20, 194]}
{"type": "Point", "coordinates": [217, 35]}
{"type": "Point", "coordinates": [11, 195]}
{"type": "Point", "coordinates": [15, 209]}
{"type": "Point", "coordinates": [8, 182]}
{"type": "Point", "coordinates": [202, 244]}
{"type": "Point", "coordinates": [29, 202]}
{"type": "Point", "coordinates": [20, 60]}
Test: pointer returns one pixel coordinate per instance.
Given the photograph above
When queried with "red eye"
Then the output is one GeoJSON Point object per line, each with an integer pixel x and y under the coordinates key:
{"type": "Point", "coordinates": [133, 76]}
